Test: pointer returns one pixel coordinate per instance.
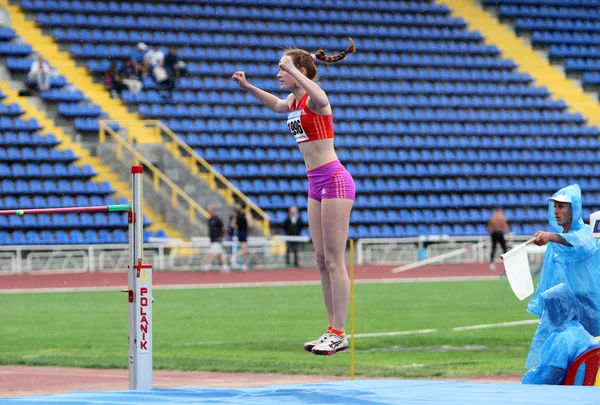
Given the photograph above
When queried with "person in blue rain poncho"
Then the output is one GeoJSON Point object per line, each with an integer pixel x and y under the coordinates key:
{"type": "Point", "coordinates": [573, 258]}
{"type": "Point", "coordinates": [567, 339]}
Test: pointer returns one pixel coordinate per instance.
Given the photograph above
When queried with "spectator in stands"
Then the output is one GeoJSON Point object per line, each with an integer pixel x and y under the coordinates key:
{"type": "Point", "coordinates": [292, 226]}
{"type": "Point", "coordinates": [573, 258]}
{"type": "Point", "coordinates": [113, 80]}
{"type": "Point", "coordinates": [331, 187]}
{"type": "Point", "coordinates": [497, 227]}
{"type": "Point", "coordinates": [129, 76]}
{"type": "Point", "coordinates": [566, 339]}
{"type": "Point", "coordinates": [154, 56]}
{"type": "Point", "coordinates": [39, 74]}
{"type": "Point", "coordinates": [167, 72]}
{"type": "Point", "coordinates": [216, 230]}
{"type": "Point", "coordinates": [242, 221]}
{"type": "Point", "coordinates": [138, 56]}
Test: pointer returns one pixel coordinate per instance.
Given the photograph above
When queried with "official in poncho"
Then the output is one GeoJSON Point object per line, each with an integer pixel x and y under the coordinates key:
{"type": "Point", "coordinates": [567, 339]}
{"type": "Point", "coordinates": [572, 258]}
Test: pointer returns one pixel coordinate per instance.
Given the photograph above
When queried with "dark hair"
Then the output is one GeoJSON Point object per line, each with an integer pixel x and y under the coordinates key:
{"type": "Point", "coordinates": [302, 58]}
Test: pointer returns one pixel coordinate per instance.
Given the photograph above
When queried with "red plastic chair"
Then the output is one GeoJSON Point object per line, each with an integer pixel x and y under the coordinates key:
{"type": "Point", "coordinates": [591, 359]}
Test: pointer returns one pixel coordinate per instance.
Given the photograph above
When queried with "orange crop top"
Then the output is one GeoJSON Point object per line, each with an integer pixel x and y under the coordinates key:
{"type": "Point", "coordinates": [306, 126]}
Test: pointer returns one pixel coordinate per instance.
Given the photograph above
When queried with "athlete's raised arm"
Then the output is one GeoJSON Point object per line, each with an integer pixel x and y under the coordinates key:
{"type": "Point", "coordinates": [271, 101]}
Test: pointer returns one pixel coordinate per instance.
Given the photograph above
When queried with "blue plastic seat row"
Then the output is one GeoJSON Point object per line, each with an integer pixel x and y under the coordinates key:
{"type": "Point", "coordinates": [234, 11]}
{"type": "Point", "coordinates": [364, 72]}
{"type": "Point", "coordinates": [60, 221]}
{"type": "Point", "coordinates": [76, 110]}
{"type": "Point", "coordinates": [191, 9]}
{"type": "Point", "coordinates": [363, 114]}
{"type": "Point", "coordinates": [207, 84]}
{"type": "Point", "coordinates": [411, 230]}
{"type": "Point", "coordinates": [542, 24]}
{"type": "Point", "coordinates": [50, 201]}
{"type": "Point", "coordinates": [424, 142]}
{"type": "Point", "coordinates": [40, 153]}
{"type": "Point", "coordinates": [392, 171]}
{"type": "Point", "coordinates": [545, 11]}
{"type": "Point", "coordinates": [573, 51]}
{"type": "Point", "coordinates": [386, 128]}
{"type": "Point", "coordinates": [18, 124]}
{"type": "Point", "coordinates": [216, 98]}
{"type": "Point", "coordinates": [27, 139]}
{"type": "Point", "coordinates": [575, 38]}
{"type": "Point", "coordinates": [55, 81]}
{"type": "Point", "coordinates": [545, 3]}
{"type": "Point", "coordinates": [55, 187]}
{"type": "Point", "coordinates": [10, 48]}
{"type": "Point", "coordinates": [454, 201]}
{"type": "Point", "coordinates": [395, 155]}
{"type": "Point", "coordinates": [263, 170]}
{"type": "Point", "coordinates": [224, 54]}
{"type": "Point", "coordinates": [62, 237]}
{"type": "Point", "coordinates": [439, 27]}
{"type": "Point", "coordinates": [62, 95]}
{"type": "Point", "coordinates": [6, 34]}
{"type": "Point", "coordinates": [582, 65]}
{"type": "Point", "coordinates": [273, 186]}
{"type": "Point", "coordinates": [395, 171]}
{"type": "Point", "coordinates": [18, 63]}
{"type": "Point", "coordinates": [406, 216]}
{"type": "Point", "coordinates": [255, 41]}
{"type": "Point", "coordinates": [449, 185]}
{"type": "Point", "coordinates": [44, 170]}
{"type": "Point", "coordinates": [592, 78]}
{"type": "Point", "coordinates": [10, 109]}
{"type": "Point", "coordinates": [249, 154]}
{"type": "Point", "coordinates": [235, 23]}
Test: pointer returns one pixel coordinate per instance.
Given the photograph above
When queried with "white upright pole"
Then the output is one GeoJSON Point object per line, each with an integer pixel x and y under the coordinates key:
{"type": "Point", "coordinates": [140, 294]}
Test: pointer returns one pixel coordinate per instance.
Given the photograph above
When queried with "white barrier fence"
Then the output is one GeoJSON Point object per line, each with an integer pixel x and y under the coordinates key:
{"type": "Point", "coordinates": [174, 255]}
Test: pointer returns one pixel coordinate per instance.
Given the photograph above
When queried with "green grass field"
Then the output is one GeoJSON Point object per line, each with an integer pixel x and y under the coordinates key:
{"type": "Point", "coordinates": [263, 329]}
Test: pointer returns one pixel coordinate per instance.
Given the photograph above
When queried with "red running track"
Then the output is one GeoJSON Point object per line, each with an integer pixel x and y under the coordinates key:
{"type": "Point", "coordinates": [174, 278]}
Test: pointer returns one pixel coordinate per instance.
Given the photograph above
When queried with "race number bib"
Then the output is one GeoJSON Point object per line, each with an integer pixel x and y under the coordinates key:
{"type": "Point", "coordinates": [295, 125]}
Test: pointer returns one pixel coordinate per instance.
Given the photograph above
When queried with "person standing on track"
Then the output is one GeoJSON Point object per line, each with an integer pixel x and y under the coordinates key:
{"type": "Point", "coordinates": [242, 222]}
{"type": "Point", "coordinates": [331, 191]}
{"type": "Point", "coordinates": [216, 230]}
{"type": "Point", "coordinates": [497, 227]}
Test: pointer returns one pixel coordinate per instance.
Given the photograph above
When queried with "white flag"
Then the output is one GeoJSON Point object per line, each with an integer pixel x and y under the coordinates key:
{"type": "Point", "coordinates": [516, 266]}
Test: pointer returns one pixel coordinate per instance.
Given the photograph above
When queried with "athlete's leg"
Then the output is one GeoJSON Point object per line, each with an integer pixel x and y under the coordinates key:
{"type": "Point", "coordinates": [316, 234]}
{"type": "Point", "coordinates": [494, 243]}
{"type": "Point", "coordinates": [335, 221]}
{"type": "Point", "coordinates": [244, 251]}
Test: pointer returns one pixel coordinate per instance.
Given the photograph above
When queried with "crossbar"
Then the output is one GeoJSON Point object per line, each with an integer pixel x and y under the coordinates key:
{"type": "Point", "coordinates": [65, 210]}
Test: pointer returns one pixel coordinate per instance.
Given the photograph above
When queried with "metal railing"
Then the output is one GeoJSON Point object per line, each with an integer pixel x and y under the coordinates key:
{"type": "Point", "coordinates": [159, 179]}
{"type": "Point", "coordinates": [197, 165]}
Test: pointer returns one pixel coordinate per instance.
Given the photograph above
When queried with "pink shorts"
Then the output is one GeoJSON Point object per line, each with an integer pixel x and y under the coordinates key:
{"type": "Point", "coordinates": [331, 180]}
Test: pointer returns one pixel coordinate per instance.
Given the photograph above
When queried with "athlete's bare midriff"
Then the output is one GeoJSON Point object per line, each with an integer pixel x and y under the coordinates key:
{"type": "Point", "coordinates": [317, 153]}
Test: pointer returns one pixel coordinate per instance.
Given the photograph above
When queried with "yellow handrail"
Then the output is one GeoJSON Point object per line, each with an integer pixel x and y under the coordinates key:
{"type": "Point", "coordinates": [216, 181]}
{"type": "Point", "coordinates": [158, 177]}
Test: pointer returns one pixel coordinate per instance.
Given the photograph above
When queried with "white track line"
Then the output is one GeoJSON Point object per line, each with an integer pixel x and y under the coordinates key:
{"type": "Point", "coordinates": [384, 334]}
{"type": "Point", "coordinates": [496, 325]}
{"type": "Point", "coordinates": [245, 285]}
{"type": "Point", "coordinates": [400, 333]}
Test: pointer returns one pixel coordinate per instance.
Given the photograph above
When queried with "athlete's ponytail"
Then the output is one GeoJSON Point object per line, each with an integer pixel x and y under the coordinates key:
{"type": "Point", "coordinates": [303, 59]}
{"type": "Point", "coordinates": [320, 54]}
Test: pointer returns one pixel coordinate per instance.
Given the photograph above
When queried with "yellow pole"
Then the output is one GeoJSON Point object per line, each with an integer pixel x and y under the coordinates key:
{"type": "Point", "coordinates": [352, 309]}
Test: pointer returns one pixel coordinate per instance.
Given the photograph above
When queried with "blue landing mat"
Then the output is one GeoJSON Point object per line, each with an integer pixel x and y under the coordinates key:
{"type": "Point", "coordinates": [348, 392]}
